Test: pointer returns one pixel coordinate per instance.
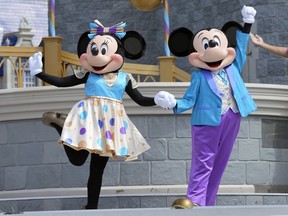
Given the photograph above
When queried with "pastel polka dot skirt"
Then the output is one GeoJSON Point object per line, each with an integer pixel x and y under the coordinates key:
{"type": "Point", "coordinates": [100, 125]}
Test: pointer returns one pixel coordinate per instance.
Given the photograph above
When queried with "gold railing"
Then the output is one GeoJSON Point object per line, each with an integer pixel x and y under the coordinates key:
{"type": "Point", "coordinates": [60, 63]}
{"type": "Point", "coordinates": [18, 58]}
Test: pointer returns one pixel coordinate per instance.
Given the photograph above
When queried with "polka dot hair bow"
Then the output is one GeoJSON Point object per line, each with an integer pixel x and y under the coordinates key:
{"type": "Point", "coordinates": [96, 28]}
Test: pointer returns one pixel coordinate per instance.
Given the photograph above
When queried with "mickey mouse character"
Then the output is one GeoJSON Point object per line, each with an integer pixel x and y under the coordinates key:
{"type": "Point", "coordinates": [218, 97]}
{"type": "Point", "coordinates": [98, 124]}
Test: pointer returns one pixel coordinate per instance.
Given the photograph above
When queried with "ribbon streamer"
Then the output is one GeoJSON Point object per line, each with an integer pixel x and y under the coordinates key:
{"type": "Point", "coordinates": [167, 27]}
{"type": "Point", "coordinates": [52, 18]}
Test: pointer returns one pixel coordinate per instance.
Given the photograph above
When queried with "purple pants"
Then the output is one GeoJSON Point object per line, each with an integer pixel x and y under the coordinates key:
{"type": "Point", "coordinates": [211, 149]}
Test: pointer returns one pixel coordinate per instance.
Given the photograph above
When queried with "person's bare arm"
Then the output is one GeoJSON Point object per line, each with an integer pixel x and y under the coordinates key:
{"type": "Point", "coordinates": [277, 50]}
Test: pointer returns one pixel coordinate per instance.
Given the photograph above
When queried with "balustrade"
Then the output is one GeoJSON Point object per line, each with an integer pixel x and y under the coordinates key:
{"type": "Point", "coordinates": [62, 63]}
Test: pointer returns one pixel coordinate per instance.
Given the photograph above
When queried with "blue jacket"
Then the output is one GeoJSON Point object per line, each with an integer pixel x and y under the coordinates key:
{"type": "Point", "coordinates": [202, 95]}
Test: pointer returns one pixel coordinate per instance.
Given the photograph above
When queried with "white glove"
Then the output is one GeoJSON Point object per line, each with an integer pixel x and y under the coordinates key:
{"type": "Point", "coordinates": [248, 14]}
{"type": "Point", "coordinates": [165, 100]}
{"type": "Point", "coordinates": [35, 63]}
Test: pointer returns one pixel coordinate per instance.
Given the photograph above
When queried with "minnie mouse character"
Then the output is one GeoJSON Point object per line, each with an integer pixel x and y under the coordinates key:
{"type": "Point", "coordinates": [98, 124]}
{"type": "Point", "coordinates": [218, 97]}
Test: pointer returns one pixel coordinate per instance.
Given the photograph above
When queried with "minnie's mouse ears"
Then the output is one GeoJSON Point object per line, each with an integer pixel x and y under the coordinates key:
{"type": "Point", "coordinates": [83, 43]}
{"type": "Point", "coordinates": [134, 45]}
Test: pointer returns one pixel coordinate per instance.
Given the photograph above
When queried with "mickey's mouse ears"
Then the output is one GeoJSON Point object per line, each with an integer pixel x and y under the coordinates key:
{"type": "Point", "coordinates": [180, 42]}
{"type": "Point", "coordinates": [230, 29]}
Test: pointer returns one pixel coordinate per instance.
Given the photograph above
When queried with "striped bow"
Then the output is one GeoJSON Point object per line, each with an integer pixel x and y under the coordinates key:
{"type": "Point", "coordinates": [96, 28]}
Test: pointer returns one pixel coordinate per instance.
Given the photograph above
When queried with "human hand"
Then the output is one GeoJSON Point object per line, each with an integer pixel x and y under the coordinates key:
{"type": "Point", "coordinates": [256, 39]}
{"type": "Point", "coordinates": [165, 100]}
{"type": "Point", "coordinates": [248, 14]}
{"type": "Point", "coordinates": [35, 64]}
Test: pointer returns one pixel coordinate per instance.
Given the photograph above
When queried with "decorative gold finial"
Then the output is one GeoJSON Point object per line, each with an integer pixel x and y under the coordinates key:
{"type": "Point", "coordinates": [146, 5]}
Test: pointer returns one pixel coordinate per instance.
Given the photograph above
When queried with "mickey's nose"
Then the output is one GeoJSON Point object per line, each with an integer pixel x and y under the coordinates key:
{"type": "Point", "coordinates": [212, 43]}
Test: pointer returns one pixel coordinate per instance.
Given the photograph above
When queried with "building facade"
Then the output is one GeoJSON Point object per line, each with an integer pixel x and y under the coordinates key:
{"type": "Point", "coordinates": [24, 23]}
{"type": "Point", "coordinates": [31, 160]}
{"type": "Point", "coordinates": [34, 11]}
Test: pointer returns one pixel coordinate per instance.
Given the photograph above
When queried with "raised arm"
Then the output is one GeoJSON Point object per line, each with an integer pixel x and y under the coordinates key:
{"type": "Point", "coordinates": [242, 37]}
{"type": "Point", "coordinates": [35, 65]}
{"type": "Point", "coordinates": [248, 16]}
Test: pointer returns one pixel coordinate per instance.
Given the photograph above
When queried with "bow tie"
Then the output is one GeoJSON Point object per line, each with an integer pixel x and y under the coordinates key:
{"type": "Point", "coordinates": [223, 76]}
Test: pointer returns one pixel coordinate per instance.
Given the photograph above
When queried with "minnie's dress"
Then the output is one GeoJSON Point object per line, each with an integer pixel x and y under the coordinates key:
{"type": "Point", "coordinates": [99, 122]}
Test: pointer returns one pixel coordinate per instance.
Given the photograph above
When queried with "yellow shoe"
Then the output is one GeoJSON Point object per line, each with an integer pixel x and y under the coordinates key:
{"type": "Point", "coordinates": [49, 118]}
{"type": "Point", "coordinates": [183, 203]}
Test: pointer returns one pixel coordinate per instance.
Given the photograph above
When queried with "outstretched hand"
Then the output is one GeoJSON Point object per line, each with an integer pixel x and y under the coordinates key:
{"type": "Point", "coordinates": [165, 100]}
{"type": "Point", "coordinates": [248, 14]}
{"type": "Point", "coordinates": [256, 39]}
{"type": "Point", "coordinates": [35, 64]}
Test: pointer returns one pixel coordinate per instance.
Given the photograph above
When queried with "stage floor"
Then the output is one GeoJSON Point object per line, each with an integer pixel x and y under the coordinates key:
{"type": "Point", "coordinates": [198, 211]}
